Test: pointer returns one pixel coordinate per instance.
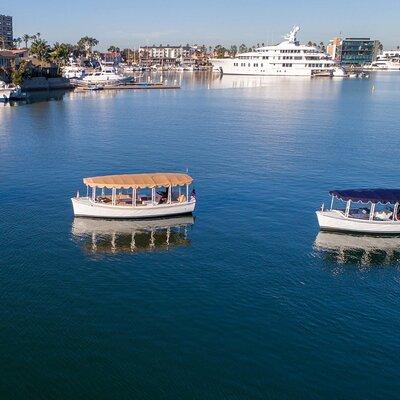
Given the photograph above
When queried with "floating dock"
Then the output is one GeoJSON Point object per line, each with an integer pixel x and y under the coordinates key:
{"type": "Point", "coordinates": [130, 86]}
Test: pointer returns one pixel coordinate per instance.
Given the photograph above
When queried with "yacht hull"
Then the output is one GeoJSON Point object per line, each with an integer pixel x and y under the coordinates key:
{"type": "Point", "coordinates": [84, 207]}
{"type": "Point", "coordinates": [336, 221]}
{"type": "Point", "coordinates": [227, 67]}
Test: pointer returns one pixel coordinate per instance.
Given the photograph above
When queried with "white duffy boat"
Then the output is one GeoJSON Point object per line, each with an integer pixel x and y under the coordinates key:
{"type": "Point", "coordinates": [377, 211]}
{"type": "Point", "coordinates": [136, 196]}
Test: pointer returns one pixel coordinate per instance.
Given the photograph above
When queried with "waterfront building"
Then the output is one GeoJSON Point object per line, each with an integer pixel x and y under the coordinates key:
{"type": "Point", "coordinates": [6, 31]}
{"type": "Point", "coordinates": [358, 51]}
{"type": "Point", "coordinates": [334, 48]}
{"type": "Point", "coordinates": [165, 55]}
{"type": "Point", "coordinates": [7, 57]}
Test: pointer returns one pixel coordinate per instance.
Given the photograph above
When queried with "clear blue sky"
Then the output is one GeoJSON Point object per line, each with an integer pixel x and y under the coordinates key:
{"type": "Point", "coordinates": [131, 23]}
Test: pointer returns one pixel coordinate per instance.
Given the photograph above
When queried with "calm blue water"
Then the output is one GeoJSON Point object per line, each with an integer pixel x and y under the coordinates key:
{"type": "Point", "coordinates": [245, 302]}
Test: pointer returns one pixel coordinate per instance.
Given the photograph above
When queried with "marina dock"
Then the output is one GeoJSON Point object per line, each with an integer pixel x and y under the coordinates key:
{"type": "Point", "coordinates": [130, 86]}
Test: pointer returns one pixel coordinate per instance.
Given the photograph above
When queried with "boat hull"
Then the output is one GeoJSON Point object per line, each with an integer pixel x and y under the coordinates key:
{"type": "Point", "coordinates": [336, 221]}
{"type": "Point", "coordinates": [84, 207]}
{"type": "Point", "coordinates": [227, 67]}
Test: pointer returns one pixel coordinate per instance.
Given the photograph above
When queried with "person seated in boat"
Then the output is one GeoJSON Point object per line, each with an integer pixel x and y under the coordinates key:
{"type": "Point", "coordinates": [164, 195]}
{"type": "Point", "coordinates": [162, 200]}
{"type": "Point", "coordinates": [182, 198]}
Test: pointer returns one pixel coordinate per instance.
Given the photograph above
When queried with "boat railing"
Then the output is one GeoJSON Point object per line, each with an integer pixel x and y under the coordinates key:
{"type": "Point", "coordinates": [143, 201]}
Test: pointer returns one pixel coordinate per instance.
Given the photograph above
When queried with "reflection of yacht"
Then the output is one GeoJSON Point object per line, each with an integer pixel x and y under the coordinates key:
{"type": "Point", "coordinates": [111, 236]}
{"type": "Point", "coordinates": [108, 74]}
{"type": "Point", "coordinates": [342, 247]}
{"type": "Point", "coordinates": [286, 58]}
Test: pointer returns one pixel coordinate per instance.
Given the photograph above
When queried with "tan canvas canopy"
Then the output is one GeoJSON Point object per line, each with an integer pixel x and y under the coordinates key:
{"type": "Point", "coordinates": [139, 180]}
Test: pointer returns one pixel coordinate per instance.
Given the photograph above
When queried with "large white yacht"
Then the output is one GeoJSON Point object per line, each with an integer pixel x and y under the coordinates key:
{"type": "Point", "coordinates": [73, 70]}
{"type": "Point", "coordinates": [107, 75]}
{"type": "Point", "coordinates": [286, 58]}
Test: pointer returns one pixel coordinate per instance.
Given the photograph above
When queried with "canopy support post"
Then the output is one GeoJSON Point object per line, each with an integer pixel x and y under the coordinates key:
{"type": "Point", "coordinates": [347, 208]}
{"type": "Point", "coordinates": [395, 208]}
{"type": "Point", "coordinates": [153, 195]}
{"type": "Point", "coordinates": [372, 212]}
{"type": "Point", "coordinates": [187, 192]}
{"type": "Point", "coordinates": [113, 192]}
{"type": "Point", "coordinates": [333, 198]}
{"type": "Point", "coordinates": [169, 194]}
{"type": "Point", "coordinates": [87, 191]}
{"type": "Point", "coordinates": [133, 197]}
{"type": "Point", "coordinates": [94, 194]}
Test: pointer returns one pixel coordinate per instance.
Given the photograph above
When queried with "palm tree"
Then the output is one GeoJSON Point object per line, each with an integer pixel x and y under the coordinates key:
{"type": "Point", "coordinates": [242, 48]}
{"type": "Point", "coordinates": [26, 38]}
{"type": "Point", "coordinates": [233, 50]}
{"type": "Point", "coordinates": [17, 42]}
{"type": "Point", "coordinates": [40, 49]}
{"type": "Point", "coordinates": [87, 43]}
{"type": "Point", "coordinates": [60, 53]}
{"type": "Point", "coordinates": [113, 49]}
{"type": "Point", "coordinates": [2, 42]}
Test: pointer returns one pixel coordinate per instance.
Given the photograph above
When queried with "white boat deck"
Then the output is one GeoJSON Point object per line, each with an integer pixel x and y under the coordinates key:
{"type": "Point", "coordinates": [85, 206]}
{"type": "Point", "coordinates": [336, 220]}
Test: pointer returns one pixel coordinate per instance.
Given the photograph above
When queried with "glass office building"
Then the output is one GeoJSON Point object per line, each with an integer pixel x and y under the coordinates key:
{"type": "Point", "coordinates": [358, 51]}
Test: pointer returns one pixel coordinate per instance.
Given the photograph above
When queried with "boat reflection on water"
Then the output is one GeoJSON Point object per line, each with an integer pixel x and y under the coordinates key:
{"type": "Point", "coordinates": [103, 236]}
{"type": "Point", "coordinates": [365, 250]}
{"type": "Point", "coordinates": [39, 97]}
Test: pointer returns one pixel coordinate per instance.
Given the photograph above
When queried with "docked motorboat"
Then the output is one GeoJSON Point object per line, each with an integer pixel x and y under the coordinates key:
{"type": "Point", "coordinates": [17, 94]}
{"type": "Point", "coordinates": [94, 87]}
{"type": "Point", "coordinates": [366, 211]}
{"type": "Point", "coordinates": [5, 91]}
{"type": "Point", "coordinates": [384, 65]}
{"type": "Point", "coordinates": [11, 92]}
{"type": "Point", "coordinates": [339, 72]}
{"type": "Point", "coordinates": [136, 196]}
{"type": "Point", "coordinates": [108, 75]}
{"type": "Point", "coordinates": [73, 71]}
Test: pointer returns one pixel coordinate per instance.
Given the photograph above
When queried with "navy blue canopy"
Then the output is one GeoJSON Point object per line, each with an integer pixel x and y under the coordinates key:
{"type": "Point", "coordinates": [383, 196]}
